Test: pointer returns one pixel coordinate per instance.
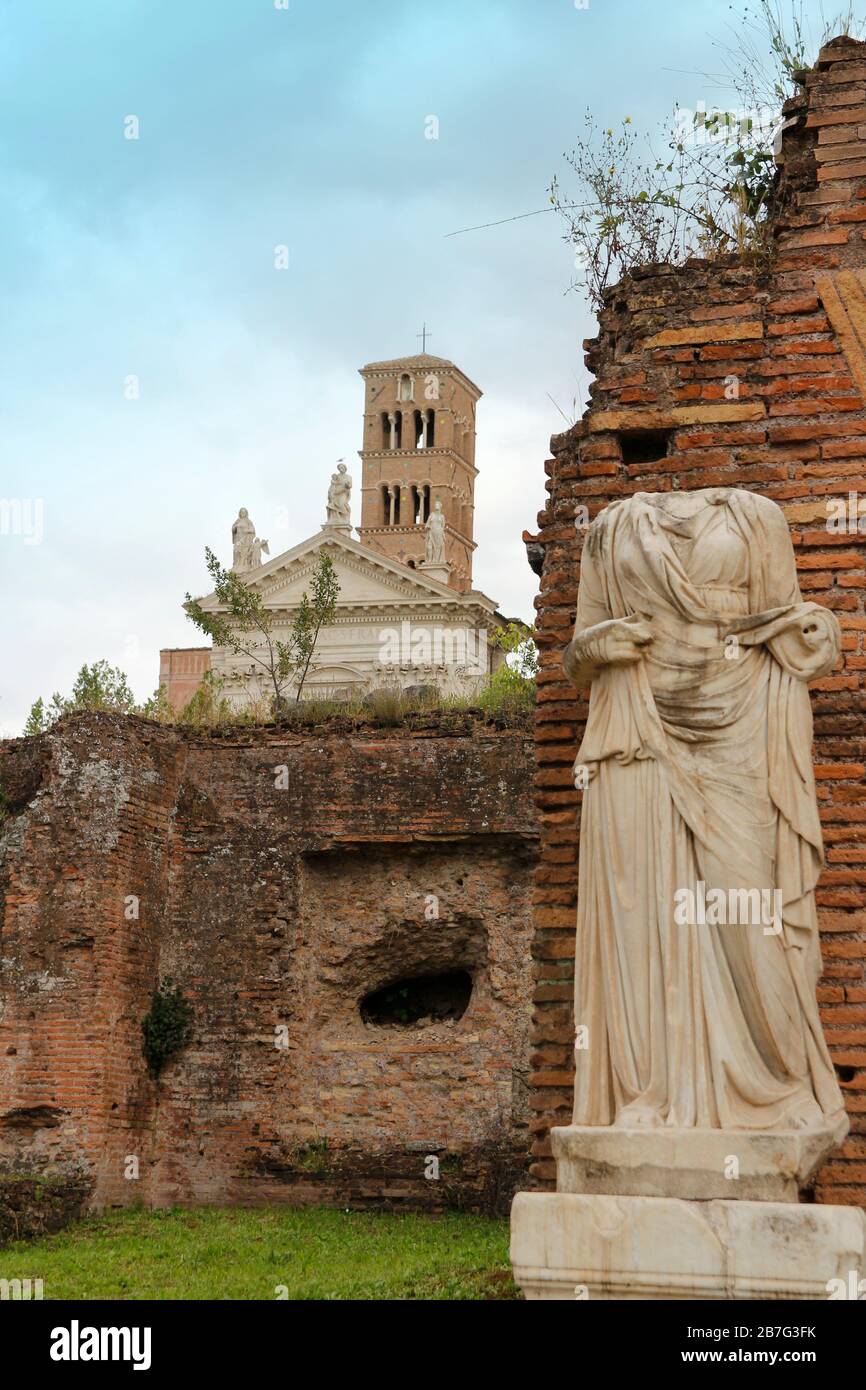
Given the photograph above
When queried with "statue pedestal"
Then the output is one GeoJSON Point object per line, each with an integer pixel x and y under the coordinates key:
{"type": "Point", "coordinates": [697, 1164]}
{"type": "Point", "coordinates": [433, 571]}
{"type": "Point", "coordinates": [682, 1214]}
{"type": "Point", "coordinates": [567, 1246]}
{"type": "Point", "coordinates": [334, 528]}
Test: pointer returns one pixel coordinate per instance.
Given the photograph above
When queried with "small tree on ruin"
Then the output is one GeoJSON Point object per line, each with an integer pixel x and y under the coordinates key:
{"type": "Point", "coordinates": [248, 628]}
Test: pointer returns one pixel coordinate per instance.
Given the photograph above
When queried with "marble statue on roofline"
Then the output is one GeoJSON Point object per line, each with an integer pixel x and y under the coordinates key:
{"type": "Point", "coordinates": [247, 547]}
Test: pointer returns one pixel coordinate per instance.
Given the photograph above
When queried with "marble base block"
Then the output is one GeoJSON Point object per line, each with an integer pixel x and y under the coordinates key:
{"type": "Point", "coordinates": [436, 571]}
{"type": "Point", "coordinates": [691, 1163]}
{"type": "Point", "coordinates": [570, 1245]}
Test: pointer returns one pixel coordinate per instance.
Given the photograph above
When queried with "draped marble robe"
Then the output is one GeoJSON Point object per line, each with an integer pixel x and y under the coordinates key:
{"type": "Point", "coordinates": [699, 763]}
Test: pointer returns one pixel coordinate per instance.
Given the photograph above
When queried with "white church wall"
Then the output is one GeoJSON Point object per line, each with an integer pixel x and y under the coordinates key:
{"type": "Point", "coordinates": [354, 658]}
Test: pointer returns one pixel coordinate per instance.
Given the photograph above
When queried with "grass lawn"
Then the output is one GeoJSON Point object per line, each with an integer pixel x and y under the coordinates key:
{"type": "Point", "coordinates": [228, 1253]}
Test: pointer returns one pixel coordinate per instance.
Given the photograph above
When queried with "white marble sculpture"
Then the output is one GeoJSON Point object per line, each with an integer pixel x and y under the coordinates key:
{"type": "Point", "coordinates": [339, 509]}
{"type": "Point", "coordinates": [435, 546]}
{"type": "Point", "coordinates": [704, 1095]}
{"type": "Point", "coordinates": [247, 547]}
{"type": "Point", "coordinates": [243, 535]}
{"type": "Point", "coordinates": [697, 754]}
{"type": "Point", "coordinates": [258, 548]}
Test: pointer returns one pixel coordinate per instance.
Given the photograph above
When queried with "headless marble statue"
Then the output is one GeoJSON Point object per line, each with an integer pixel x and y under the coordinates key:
{"type": "Point", "coordinates": [697, 768]}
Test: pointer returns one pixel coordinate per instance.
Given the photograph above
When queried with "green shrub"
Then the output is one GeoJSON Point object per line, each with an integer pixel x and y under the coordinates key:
{"type": "Point", "coordinates": [208, 706]}
{"type": "Point", "coordinates": [167, 1029]}
{"type": "Point", "coordinates": [99, 687]}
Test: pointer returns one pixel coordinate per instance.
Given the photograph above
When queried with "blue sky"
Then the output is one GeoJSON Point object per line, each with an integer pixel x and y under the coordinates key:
{"type": "Point", "coordinates": [154, 258]}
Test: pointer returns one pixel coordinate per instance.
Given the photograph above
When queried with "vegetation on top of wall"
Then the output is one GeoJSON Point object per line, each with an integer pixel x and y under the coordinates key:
{"type": "Point", "coordinates": [704, 185]}
{"type": "Point", "coordinates": [97, 687]}
{"type": "Point", "coordinates": [501, 701]}
{"type": "Point", "coordinates": [511, 689]}
{"type": "Point", "coordinates": [507, 698]}
{"type": "Point", "coordinates": [167, 1029]}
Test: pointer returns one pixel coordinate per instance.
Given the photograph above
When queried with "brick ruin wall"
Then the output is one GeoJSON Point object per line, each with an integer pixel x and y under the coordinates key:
{"type": "Point", "coordinates": [273, 908]}
{"type": "Point", "coordinates": [758, 381]}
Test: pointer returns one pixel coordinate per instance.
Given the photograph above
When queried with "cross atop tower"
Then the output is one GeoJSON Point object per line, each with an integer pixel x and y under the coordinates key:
{"type": "Point", "coordinates": [424, 335]}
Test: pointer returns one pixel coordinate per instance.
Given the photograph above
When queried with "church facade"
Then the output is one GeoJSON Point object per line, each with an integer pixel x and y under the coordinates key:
{"type": "Point", "coordinates": [407, 613]}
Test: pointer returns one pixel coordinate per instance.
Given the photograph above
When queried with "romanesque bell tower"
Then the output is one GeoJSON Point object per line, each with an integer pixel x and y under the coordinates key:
{"type": "Point", "coordinates": [419, 449]}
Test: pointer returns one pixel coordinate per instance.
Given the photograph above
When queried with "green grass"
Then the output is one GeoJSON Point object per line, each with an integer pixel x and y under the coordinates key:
{"type": "Point", "coordinates": [315, 1253]}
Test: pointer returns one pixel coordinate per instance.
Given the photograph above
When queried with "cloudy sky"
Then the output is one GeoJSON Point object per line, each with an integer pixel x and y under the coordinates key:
{"type": "Point", "coordinates": [153, 258]}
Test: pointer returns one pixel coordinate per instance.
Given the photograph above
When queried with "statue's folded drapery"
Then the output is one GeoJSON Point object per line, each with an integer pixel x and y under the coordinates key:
{"type": "Point", "coordinates": [700, 773]}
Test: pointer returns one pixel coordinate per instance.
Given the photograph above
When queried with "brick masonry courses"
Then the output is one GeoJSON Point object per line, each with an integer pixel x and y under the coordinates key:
{"type": "Point", "coordinates": [272, 908]}
{"type": "Point", "coordinates": [759, 380]}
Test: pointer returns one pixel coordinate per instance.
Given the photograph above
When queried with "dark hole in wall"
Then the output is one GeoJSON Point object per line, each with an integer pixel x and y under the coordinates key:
{"type": "Point", "coordinates": [32, 1117]}
{"type": "Point", "coordinates": [846, 1073]}
{"type": "Point", "coordinates": [644, 446]}
{"type": "Point", "coordinates": [418, 999]}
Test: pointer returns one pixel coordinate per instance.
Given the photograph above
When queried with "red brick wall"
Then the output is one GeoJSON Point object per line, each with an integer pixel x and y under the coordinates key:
{"type": "Point", "coordinates": [760, 390]}
{"type": "Point", "coordinates": [89, 825]}
{"type": "Point", "coordinates": [269, 906]}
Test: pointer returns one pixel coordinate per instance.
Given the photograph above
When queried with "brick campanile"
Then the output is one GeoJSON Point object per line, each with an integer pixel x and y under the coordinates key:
{"type": "Point", "coordinates": [419, 448]}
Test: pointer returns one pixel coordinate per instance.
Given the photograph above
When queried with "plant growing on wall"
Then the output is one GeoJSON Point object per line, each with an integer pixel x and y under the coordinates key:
{"type": "Point", "coordinates": [208, 706]}
{"type": "Point", "coordinates": [512, 686]}
{"type": "Point", "coordinates": [98, 687]}
{"type": "Point", "coordinates": [167, 1029]}
{"type": "Point", "coordinates": [247, 628]}
{"type": "Point", "coordinates": [704, 185]}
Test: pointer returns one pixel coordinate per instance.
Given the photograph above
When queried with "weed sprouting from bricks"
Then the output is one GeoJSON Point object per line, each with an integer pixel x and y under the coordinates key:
{"type": "Point", "coordinates": [167, 1029]}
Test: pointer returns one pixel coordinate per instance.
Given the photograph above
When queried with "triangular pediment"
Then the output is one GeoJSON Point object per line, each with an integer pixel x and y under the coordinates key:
{"type": "Point", "coordinates": [366, 577]}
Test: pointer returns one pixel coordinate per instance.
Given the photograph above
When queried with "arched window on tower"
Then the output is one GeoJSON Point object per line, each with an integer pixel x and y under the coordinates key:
{"type": "Point", "coordinates": [419, 495]}
{"type": "Point", "coordinates": [431, 428]}
{"type": "Point", "coordinates": [390, 504]}
{"type": "Point", "coordinates": [406, 391]}
{"type": "Point", "coordinates": [392, 429]}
